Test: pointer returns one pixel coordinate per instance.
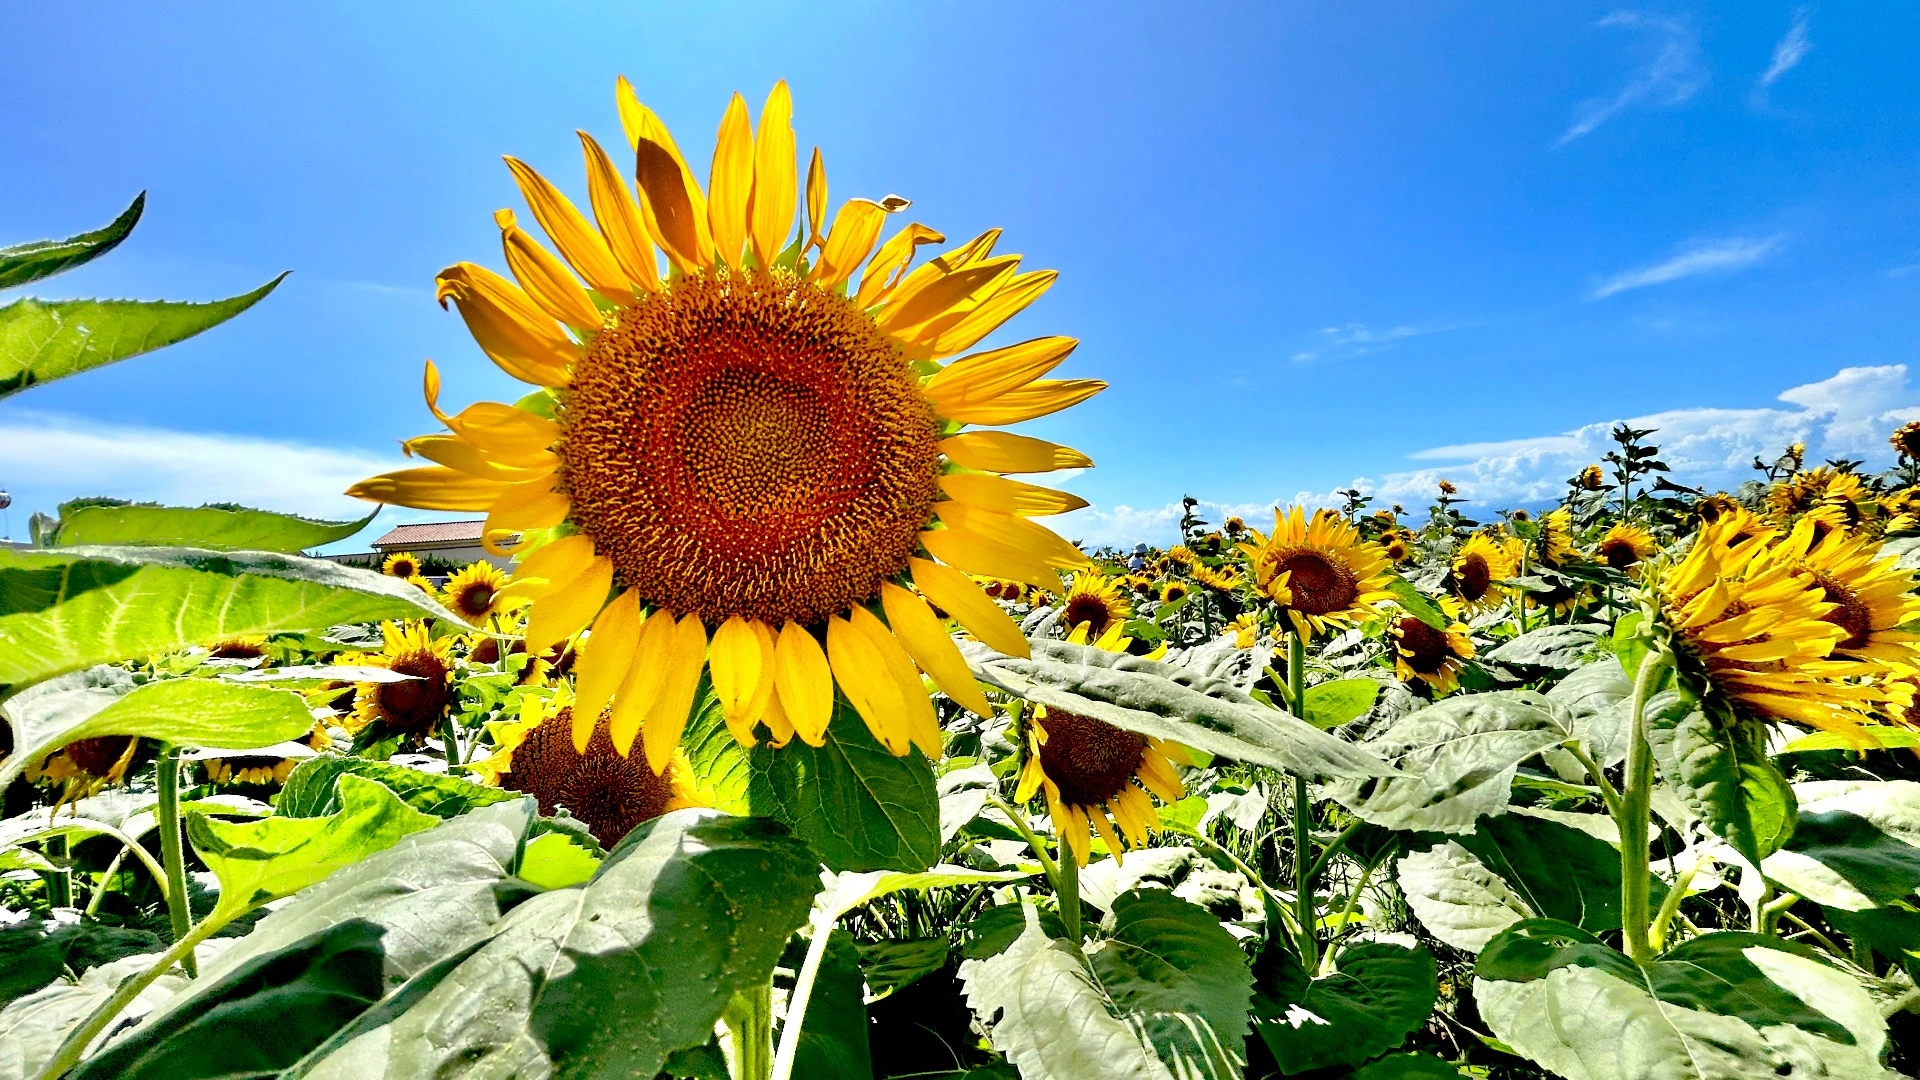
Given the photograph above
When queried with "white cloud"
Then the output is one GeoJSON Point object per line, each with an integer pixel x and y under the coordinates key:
{"type": "Point", "coordinates": [1715, 256]}
{"type": "Point", "coordinates": [1671, 75]}
{"type": "Point", "coordinates": [1359, 339]}
{"type": "Point", "coordinates": [1789, 50]}
{"type": "Point", "coordinates": [1849, 414]}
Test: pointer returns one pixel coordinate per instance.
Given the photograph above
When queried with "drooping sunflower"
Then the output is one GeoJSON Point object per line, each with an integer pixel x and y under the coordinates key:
{"type": "Point", "coordinates": [1319, 572]}
{"type": "Point", "coordinates": [83, 767]}
{"type": "Point", "coordinates": [408, 707]}
{"type": "Point", "coordinates": [1872, 598]}
{"type": "Point", "coordinates": [1096, 602]}
{"type": "Point", "coordinates": [1624, 546]}
{"type": "Point", "coordinates": [473, 592]}
{"type": "Point", "coordinates": [611, 792]}
{"type": "Point", "coordinates": [1554, 544]}
{"type": "Point", "coordinates": [1591, 479]}
{"type": "Point", "coordinates": [1432, 656]}
{"type": "Point", "coordinates": [1901, 510]}
{"type": "Point", "coordinates": [1481, 564]}
{"type": "Point", "coordinates": [1835, 496]}
{"type": "Point", "coordinates": [748, 451]}
{"type": "Point", "coordinates": [1754, 627]}
{"type": "Point", "coordinates": [404, 565]}
{"type": "Point", "coordinates": [1906, 440]}
{"type": "Point", "coordinates": [246, 647]}
{"type": "Point", "coordinates": [262, 768]}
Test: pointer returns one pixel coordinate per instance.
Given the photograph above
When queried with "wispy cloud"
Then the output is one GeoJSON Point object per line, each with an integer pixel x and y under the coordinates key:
{"type": "Point", "coordinates": [1359, 339]}
{"type": "Point", "coordinates": [1710, 257]}
{"type": "Point", "coordinates": [1789, 50]}
{"type": "Point", "coordinates": [1671, 74]}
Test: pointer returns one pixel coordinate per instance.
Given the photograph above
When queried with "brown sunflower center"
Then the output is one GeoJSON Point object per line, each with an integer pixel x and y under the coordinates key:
{"type": "Point", "coordinates": [1851, 614]}
{"type": "Point", "coordinates": [1472, 576]}
{"type": "Point", "coordinates": [237, 650]}
{"type": "Point", "coordinates": [749, 445]}
{"type": "Point", "coordinates": [1089, 760]}
{"type": "Point", "coordinates": [1087, 608]}
{"type": "Point", "coordinates": [1319, 585]}
{"type": "Point", "coordinates": [610, 793]}
{"type": "Point", "coordinates": [404, 568]}
{"type": "Point", "coordinates": [97, 756]}
{"type": "Point", "coordinates": [1424, 648]}
{"type": "Point", "coordinates": [475, 600]}
{"type": "Point", "coordinates": [413, 706]}
{"type": "Point", "coordinates": [1618, 553]}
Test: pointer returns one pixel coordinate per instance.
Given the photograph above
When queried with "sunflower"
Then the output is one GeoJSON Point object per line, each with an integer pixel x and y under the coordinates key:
{"type": "Point", "coordinates": [260, 768]}
{"type": "Point", "coordinates": [1397, 545]}
{"type": "Point", "coordinates": [1319, 571]}
{"type": "Point", "coordinates": [473, 592]}
{"type": "Point", "coordinates": [1872, 598]}
{"type": "Point", "coordinates": [1554, 544]}
{"type": "Point", "coordinates": [1095, 602]}
{"type": "Point", "coordinates": [1090, 769]}
{"type": "Point", "coordinates": [1481, 564]}
{"type": "Point", "coordinates": [84, 766]}
{"type": "Point", "coordinates": [1902, 511]}
{"type": "Point", "coordinates": [1234, 527]}
{"type": "Point", "coordinates": [1173, 590]}
{"type": "Point", "coordinates": [1591, 479]}
{"type": "Point", "coordinates": [247, 647]}
{"type": "Point", "coordinates": [1432, 656]}
{"type": "Point", "coordinates": [1754, 629]}
{"type": "Point", "coordinates": [1447, 488]}
{"type": "Point", "coordinates": [1836, 495]}
{"type": "Point", "coordinates": [1218, 579]}
{"type": "Point", "coordinates": [1906, 440]}
{"type": "Point", "coordinates": [610, 792]}
{"type": "Point", "coordinates": [410, 707]}
{"type": "Point", "coordinates": [404, 565]}
{"type": "Point", "coordinates": [754, 448]}
{"type": "Point", "coordinates": [1624, 546]}
{"type": "Point", "coordinates": [1563, 596]}
{"type": "Point", "coordinates": [1244, 629]}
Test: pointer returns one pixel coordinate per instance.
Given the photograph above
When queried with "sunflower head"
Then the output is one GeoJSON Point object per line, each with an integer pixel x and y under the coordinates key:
{"type": "Point", "coordinates": [1624, 546]}
{"type": "Point", "coordinates": [1447, 489]}
{"type": "Point", "coordinates": [84, 766]}
{"type": "Point", "coordinates": [410, 707]}
{"type": "Point", "coordinates": [1218, 579]}
{"type": "Point", "coordinates": [248, 647]}
{"type": "Point", "coordinates": [756, 447]}
{"type": "Point", "coordinates": [473, 592]}
{"type": "Point", "coordinates": [1173, 590]}
{"type": "Point", "coordinates": [1906, 440]}
{"type": "Point", "coordinates": [1095, 602]}
{"type": "Point", "coordinates": [404, 565]}
{"type": "Point", "coordinates": [1318, 571]}
{"type": "Point", "coordinates": [1591, 479]}
{"type": "Point", "coordinates": [1434, 656]}
{"type": "Point", "coordinates": [1478, 568]}
{"type": "Point", "coordinates": [1234, 528]}
{"type": "Point", "coordinates": [1871, 597]}
{"type": "Point", "coordinates": [1554, 544]}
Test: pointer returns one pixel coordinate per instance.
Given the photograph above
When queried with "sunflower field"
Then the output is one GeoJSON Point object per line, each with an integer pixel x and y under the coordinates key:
{"type": "Point", "coordinates": [793, 743]}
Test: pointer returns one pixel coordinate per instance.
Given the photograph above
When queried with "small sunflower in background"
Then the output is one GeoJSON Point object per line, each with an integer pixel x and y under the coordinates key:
{"type": "Point", "coordinates": [1478, 569]}
{"type": "Point", "coordinates": [1906, 440]}
{"type": "Point", "coordinates": [757, 447]}
{"type": "Point", "coordinates": [473, 592]}
{"type": "Point", "coordinates": [1591, 479]}
{"type": "Point", "coordinates": [262, 768]}
{"type": "Point", "coordinates": [85, 766]}
{"type": "Point", "coordinates": [1182, 556]}
{"type": "Point", "coordinates": [1624, 547]}
{"type": "Point", "coordinates": [247, 647]}
{"type": "Point", "coordinates": [1244, 630]}
{"type": "Point", "coordinates": [1220, 579]}
{"type": "Point", "coordinates": [1872, 597]}
{"type": "Point", "coordinates": [404, 565]}
{"type": "Point", "coordinates": [611, 792]}
{"type": "Point", "coordinates": [1554, 545]}
{"type": "Point", "coordinates": [1095, 602]}
{"type": "Point", "coordinates": [1318, 571]}
{"type": "Point", "coordinates": [1397, 545]}
{"type": "Point", "coordinates": [409, 707]}
{"type": "Point", "coordinates": [1234, 528]}
{"type": "Point", "coordinates": [1171, 591]}
{"type": "Point", "coordinates": [1901, 510]}
{"type": "Point", "coordinates": [1432, 656]}
{"type": "Point", "coordinates": [1563, 597]}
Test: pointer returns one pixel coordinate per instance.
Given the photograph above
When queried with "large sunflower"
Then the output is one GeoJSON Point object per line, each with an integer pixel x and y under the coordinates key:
{"type": "Point", "coordinates": [1319, 571]}
{"type": "Point", "coordinates": [1478, 568]}
{"type": "Point", "coordinates": [1432, 656]}
{"type": "Point", "coordinates": [1872, 598]}
{"type": "Point", "coordinates": [1096, 601]}
{"type": "Point", "coordinates": [474, 592]}
{"type": "Point", "coordinates": [410, 707]}
{"type": "Point", "coordinates": [748, 452]}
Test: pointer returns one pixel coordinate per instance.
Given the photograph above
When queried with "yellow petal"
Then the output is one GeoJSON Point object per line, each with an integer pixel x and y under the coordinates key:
{"type": "Point", "coordinates": [855, 228]}
{"type": "Point", "coordinates": [738, 669]}
{"type": "Point", "coordinates": [532, 504]}
{"type": "Point", "coordinates": [891, 260]}
{"type": "Point", "coordinates": [1030, 401]}
{"type": "Point", "coordinates": [681, 678]}
{"type": "Point", "coordinates": [993, 312]}
{"type": "Point", "coordinates": [619, 217]}
{"type": "Point", "coordinates": [636, 695]}
{"type": "Point", "coordinates": [604, 660]}
{"type": "Point", "coordinates": [958, 596]}
{"type": "Point", "coordinates": [775, 183]}
{"type": "Point", "coordinates": [551, 565]}
{"type": "Point", "coordinates": [973, 251]}
{"type": "Point", "coordinates": [434, 487]}
{"type": "Point", "coordinates": [917, 717]}
{"type": "Point", "coordinates": [804, 681]}
{"type": "Point", "coordinates": [862, 674]}
{"type": "Point", "coordinates": [579, 243]}
{"type": "Point", "coordinates": [731, 187]}
{"type": "Point", "coordinates": [642, 126]}
{"type": "Point", "coordinates": [568, 609]}
{"type": "Point", "coordinates": [957, 291]}
{"type": "Point", "coordinates": [1008, 496]}
{"type": "Point", "coordinates": [977, 554]}
{"type": "Point", "coordinates": [545, 278]}
{"type": "Point", "coordinates": [928, 643]}
{"type": "Point", "coordinates": [669, 206]}
{"type": "Point", "coordinates": [457, 453]}
{"type": "Point", "coordinates": [816, 198]}
{"type": "Point", "coordinates": [1015, 532]}
{"type": "Point", "coordinates": [1003, 452]}
{"type": "Point", "coordinates": [977, 379]}
{"type": "Point", "coordinates": [508, 326]}
{"type": "Point", "coordinates": [775, 717]}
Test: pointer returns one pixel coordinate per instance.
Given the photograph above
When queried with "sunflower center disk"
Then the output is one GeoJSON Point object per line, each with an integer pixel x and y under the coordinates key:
{"type": "Point", "coordinates": [1475, 577]}
{"type": "Point", "coordinates": [1089, 760]}
{"type": "Point", "coordinates": [1851, 616]}
{"type": "Point", "coordinates": [1318, 585]}
{"type": "Point", "coordinates": [413, 706]}
{"type": "Point", "coordinates": [610, 793]}
{"type": "Point", "coordinates": [749, 445]}
{"type": "Point", "coordinates": [1427, 647]}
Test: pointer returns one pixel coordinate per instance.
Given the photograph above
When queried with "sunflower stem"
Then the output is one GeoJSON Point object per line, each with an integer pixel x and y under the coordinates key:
{"type": "Point", "coordinates": [173, 852]}
{"type": "Point", "coordinates": [1303, 864]}
{"type": "Point", "coordinates": [450, 737]}
{"type": "Point", "coordinates": [1067, 884]}
{"type": "Point", "coordinates": [749, 1023]}
{"type": "Point", "coordinates": [1637, 807]}
{"type": "Point", "coordinates": [59, 879]}
{"type": "Point", "coordinates": [75, 1045]}
{"type": "Point", "coordinates": [797, 1001]}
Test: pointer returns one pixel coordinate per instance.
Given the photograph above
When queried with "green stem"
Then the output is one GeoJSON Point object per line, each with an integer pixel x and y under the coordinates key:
{"type": "Point", "coordinates": [59, 879]}
{"type": "Point", "coordinates": [1038, 846]}
{"type": "Point", "coordinates": [1327, 853]}
{"type": "Point", "coordinates": [1067, 886]}
{"type": "Point", "coordinates": [1657, 934]}
{"type": "Point", "coordinates": [797, 1002]}
{"type": "Point", "coordinates": [1608, 794]}
{"type": "Point", "coordinates": [1770, 912]}
{"type": "Point", "coordinates": [1637, 804]}
{"type": "Point", "coordinates": [172, 851]}
{"type": "Point", "coordinates": [106, 879]}
{"type": "Point", "coordinates": [77, 1040]}
{"type": "Point", "coordinates": [1278, 900]}
{"type": "Point", "coordinates": [449, 737]}
{"type": "Point", "coordinates": [1303, 906]}
{"type": "Point", "coordinates": [749, 1021]}
{"type": "Point", "coordinates": [1346, 913]}
{"type": "Point", "coordinates": [1907, 1000]}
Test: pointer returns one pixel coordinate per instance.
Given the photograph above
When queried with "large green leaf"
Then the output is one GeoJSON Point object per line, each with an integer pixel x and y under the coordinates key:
{"type": "Point", "coordinates": [1417, 603]}
{"type": "Point", "coordinates": [1721, 775]}
{"type": "Point", "coordinates": [216, 528]}
{"type": "Point", "coordinates": [1559, 871]}
{"type": "Point", "coordinates": [1377, 994]}
{"type": "Point", "coordinates": [1592, 703]}
{"type": "Point", "coordinates": [891, 965]}
{"type": "Point", "coordinates": [1553, 648]}
{"type": "Point", "coordinates": [105, 701]}
{"type": "Point", "coordinates": [23, 263]}
{"type": "Point", "coordinates": [72, 608]}
{"type": "Point", "coordinates": [854, 803]}
{"type": "Point", "coordinates": [302, 993]}
{"type": "Point", "coordinates": [1170, 702]}
{"type": "Point", "coordinates": [608, 979]}
{"type": "Point", "coordinates": [43, 340]}
{"type": "Point", "coordinates": [312, 789]}
{"type": "Point", "coordinates": [1456, 761]}
{"type": "Point", "coordinates": [36, 952]}
{"type": "Point", "coordinates": [1179, 980]}
{"type": "Point", "coordinates": [1457, 897]}
{"type": "Point", "coordinates": [721, 766]}
{"type": "Point", "coordinates": [1856, 845]}
{"type": "Point", "coordinates": [32, 1028]}
{"type": "Point", "coordinates": [1330, 704]}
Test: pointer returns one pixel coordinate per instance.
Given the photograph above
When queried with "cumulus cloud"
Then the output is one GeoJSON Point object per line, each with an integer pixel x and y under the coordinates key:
{"type": "Point", "coordinates": [1717, 256]}
{"type": "Point", "coordinates": [1789, 50]}
{"type": "Point", "coordinates": [1849, 414]}
{"type": "Point", "coordinates": [1671, 74]}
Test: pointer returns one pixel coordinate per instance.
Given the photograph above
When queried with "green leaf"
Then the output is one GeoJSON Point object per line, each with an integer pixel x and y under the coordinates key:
{"type": "Point", "coordinates": [997, 927]}
{"type": "Point", "coordinates": [1416, 603]}
{"type": "Point", "coordinates": [258, 861]}
{"type": "Point", "coordinates": [1330, 704]}
{"type": "Point", "coordinates": [216, 528]}
{"type": "Point", "coordinates": [32, 1028]}
{"type": "Point", "coordinates": [552, 861]}
{"type": "Point", "coordinates": [301, 993]}
{"type": "Point", "coordinates": [854, 803]}
{"type": "Point", "coordinates": [191, 712]}
{"type": "Point", "coordinates": [1179, 980]}
{"type": "Point", "coordinates": [36, 952]}
{"type": "Point", "coordinates": [1554, 648]}
{"type": "Point", "coordinates": [1377, 994]}
{"type": "Point", "coordinates": [1856, 845]}
{"type": "Point", "coordinates": [1592, 703]}
{"type": "Point", "coordinates": [833, 1039]}
{"type": "Point", "coordinates": [1728, 782]}
{"type": "Point", "coordinates": [72, 608]}
{"type": "Point", "coordinates": [575, 982]}
{"type": "Point", "coordinates": [43, 340]}
{"type": "Point", "coordinates": [1455, 759]}
{"type": "Point", "coordinates": [721, 766]}
{"type": "Point", "coordinates": [1457, 897]}
{"type": "Point", "coordinates": [311, 789]}
{"type": "Point", "coordinates": [890, 965]}
{"type": "Point", "coordinates": [23, 263]}
{"type": "Point", "coordinates": [1558, 871]}
{"type": "Point", "coordinates": [1174, 703]}
{"type": "Point", "coordinates": [1415, 1066]}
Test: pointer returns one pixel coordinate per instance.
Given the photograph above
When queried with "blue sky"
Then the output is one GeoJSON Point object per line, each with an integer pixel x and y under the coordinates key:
{"type": "Point", "coordinates": [1309, 244]}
